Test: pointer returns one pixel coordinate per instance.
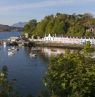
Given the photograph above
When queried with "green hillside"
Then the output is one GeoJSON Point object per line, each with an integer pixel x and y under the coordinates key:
{"type": "Point", "coordinates": [63, 24]}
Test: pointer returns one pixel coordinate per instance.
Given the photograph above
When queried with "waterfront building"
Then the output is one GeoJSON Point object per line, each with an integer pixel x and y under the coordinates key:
{"type": "Point", "coordinates": [68, 40]}
{"type": "Point", "coordinates": [91, 29]}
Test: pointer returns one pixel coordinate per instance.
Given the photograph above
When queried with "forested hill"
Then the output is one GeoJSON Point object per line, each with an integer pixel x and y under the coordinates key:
{"type": "Point", "coordinates": [63, 24]}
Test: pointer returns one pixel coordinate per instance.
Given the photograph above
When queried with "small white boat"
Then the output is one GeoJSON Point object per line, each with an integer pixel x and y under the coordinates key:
{"type": "Point", "coordinates": [12, 49]}
{"type": "Point", "coordinates": [10, 53]}
{"type": "Point", "coordinates": [4, 44]}
{"type": "Point", "coordinates": [32, 55]}
{"type": "Point", "coordinates": [9, 49]}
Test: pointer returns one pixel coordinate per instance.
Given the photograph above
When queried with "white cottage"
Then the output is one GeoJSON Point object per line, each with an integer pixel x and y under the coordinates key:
{"type": "Point", "coordinates": [68, 40]}
{"type": "Point", "coordinates": [48, 38]}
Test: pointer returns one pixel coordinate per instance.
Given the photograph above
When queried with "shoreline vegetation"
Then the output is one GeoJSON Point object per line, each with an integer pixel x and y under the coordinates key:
{"type": "Point", "coordinates": [72, 74]}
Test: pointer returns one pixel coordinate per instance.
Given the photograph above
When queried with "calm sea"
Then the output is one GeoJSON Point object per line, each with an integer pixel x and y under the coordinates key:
{"type": "Point", "coordinates": [6, 35]}
{"type": "Point", "coordinates": [28, 71]}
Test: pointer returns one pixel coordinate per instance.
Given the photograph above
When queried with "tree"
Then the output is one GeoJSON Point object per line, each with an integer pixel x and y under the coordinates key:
{"type": "Point", "coordinates": [64, 24]}
{"type": "Point", "coordinates": [30, 27]}
{"type": "Point", "coordinates": [87, 48]}
{"type": "Point", "coordinates": [41, 27]}
{"type": "Point", "coordinates": [71, 75]}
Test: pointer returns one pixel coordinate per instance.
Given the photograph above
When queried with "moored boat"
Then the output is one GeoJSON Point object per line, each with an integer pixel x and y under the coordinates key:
{"type": "Point", "coordinates": [10, 53]}
{"type": "Point", "coordinates": [32, 55]}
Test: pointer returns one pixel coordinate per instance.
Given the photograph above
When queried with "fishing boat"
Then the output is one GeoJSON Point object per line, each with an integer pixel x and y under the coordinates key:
{"type": "Point", "coordinates": [32, 55]}
{"type": "Point", "coordinates": [12, 49]}
{"type": "Point", "coordinates": [4, 44]}
{"type": "Point", "coordinates": [10, 53]}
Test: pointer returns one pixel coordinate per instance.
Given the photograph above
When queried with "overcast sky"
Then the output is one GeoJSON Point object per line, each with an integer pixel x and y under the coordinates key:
{"type": "Point", "coordinates": [12, 11]}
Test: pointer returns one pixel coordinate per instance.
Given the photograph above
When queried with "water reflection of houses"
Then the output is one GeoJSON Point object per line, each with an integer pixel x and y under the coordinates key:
{"type": "Point", "coordinates": [53, 51]}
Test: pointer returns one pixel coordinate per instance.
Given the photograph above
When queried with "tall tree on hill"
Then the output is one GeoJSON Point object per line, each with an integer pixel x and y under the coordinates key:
{"type": "Point", "coordinates": [71, 25]}
{"type": "Point", "coordinates": [41, 27]}
{"type": "Point", "coordinates": [50, 26]}
{"type": "Point", "coordinates": [30, 26]}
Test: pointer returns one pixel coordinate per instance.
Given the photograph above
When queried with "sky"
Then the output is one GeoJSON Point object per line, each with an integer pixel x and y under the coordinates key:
{"type": "Point", "coordinates": [13, 11]}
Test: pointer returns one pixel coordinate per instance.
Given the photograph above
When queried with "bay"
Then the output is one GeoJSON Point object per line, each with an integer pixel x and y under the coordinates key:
{"type": "Point", "coordinates": [6, 35]}
{"type": "Point", "coordinates": [28, 71]}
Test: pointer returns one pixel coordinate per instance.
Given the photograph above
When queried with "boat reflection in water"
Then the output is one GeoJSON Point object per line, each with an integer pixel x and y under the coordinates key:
{"type": "Point", "coordinates": [32, 52]}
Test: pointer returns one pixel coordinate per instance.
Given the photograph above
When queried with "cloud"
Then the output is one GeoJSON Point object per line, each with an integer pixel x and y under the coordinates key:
{"type": "Point", "coordinates": [83, 2]}
{"type": "Point", "coordinates": [46, 4]}
{"type": "Point", "coordinates": [42, 4]}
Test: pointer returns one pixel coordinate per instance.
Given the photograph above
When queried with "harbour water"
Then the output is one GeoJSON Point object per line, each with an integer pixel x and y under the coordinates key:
{"type": "Point", "coordinates": [28, 70]}
{"type": "Point", "coordinates": [6, 35]}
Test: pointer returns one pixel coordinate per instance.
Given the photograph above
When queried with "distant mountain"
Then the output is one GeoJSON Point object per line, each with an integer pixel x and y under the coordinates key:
{"type": "Point", "coordinates": [19, 24]}
{"type": "Point", "coordinates": [6, 28]}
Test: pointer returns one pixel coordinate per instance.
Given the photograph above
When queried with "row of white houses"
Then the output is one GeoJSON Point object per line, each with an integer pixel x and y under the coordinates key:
{"type": "Point", "coordinates": [68, 40]}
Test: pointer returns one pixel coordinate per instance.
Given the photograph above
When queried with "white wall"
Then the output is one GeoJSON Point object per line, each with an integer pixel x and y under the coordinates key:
{"type": "Point", "coordinates": [68, 40]}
